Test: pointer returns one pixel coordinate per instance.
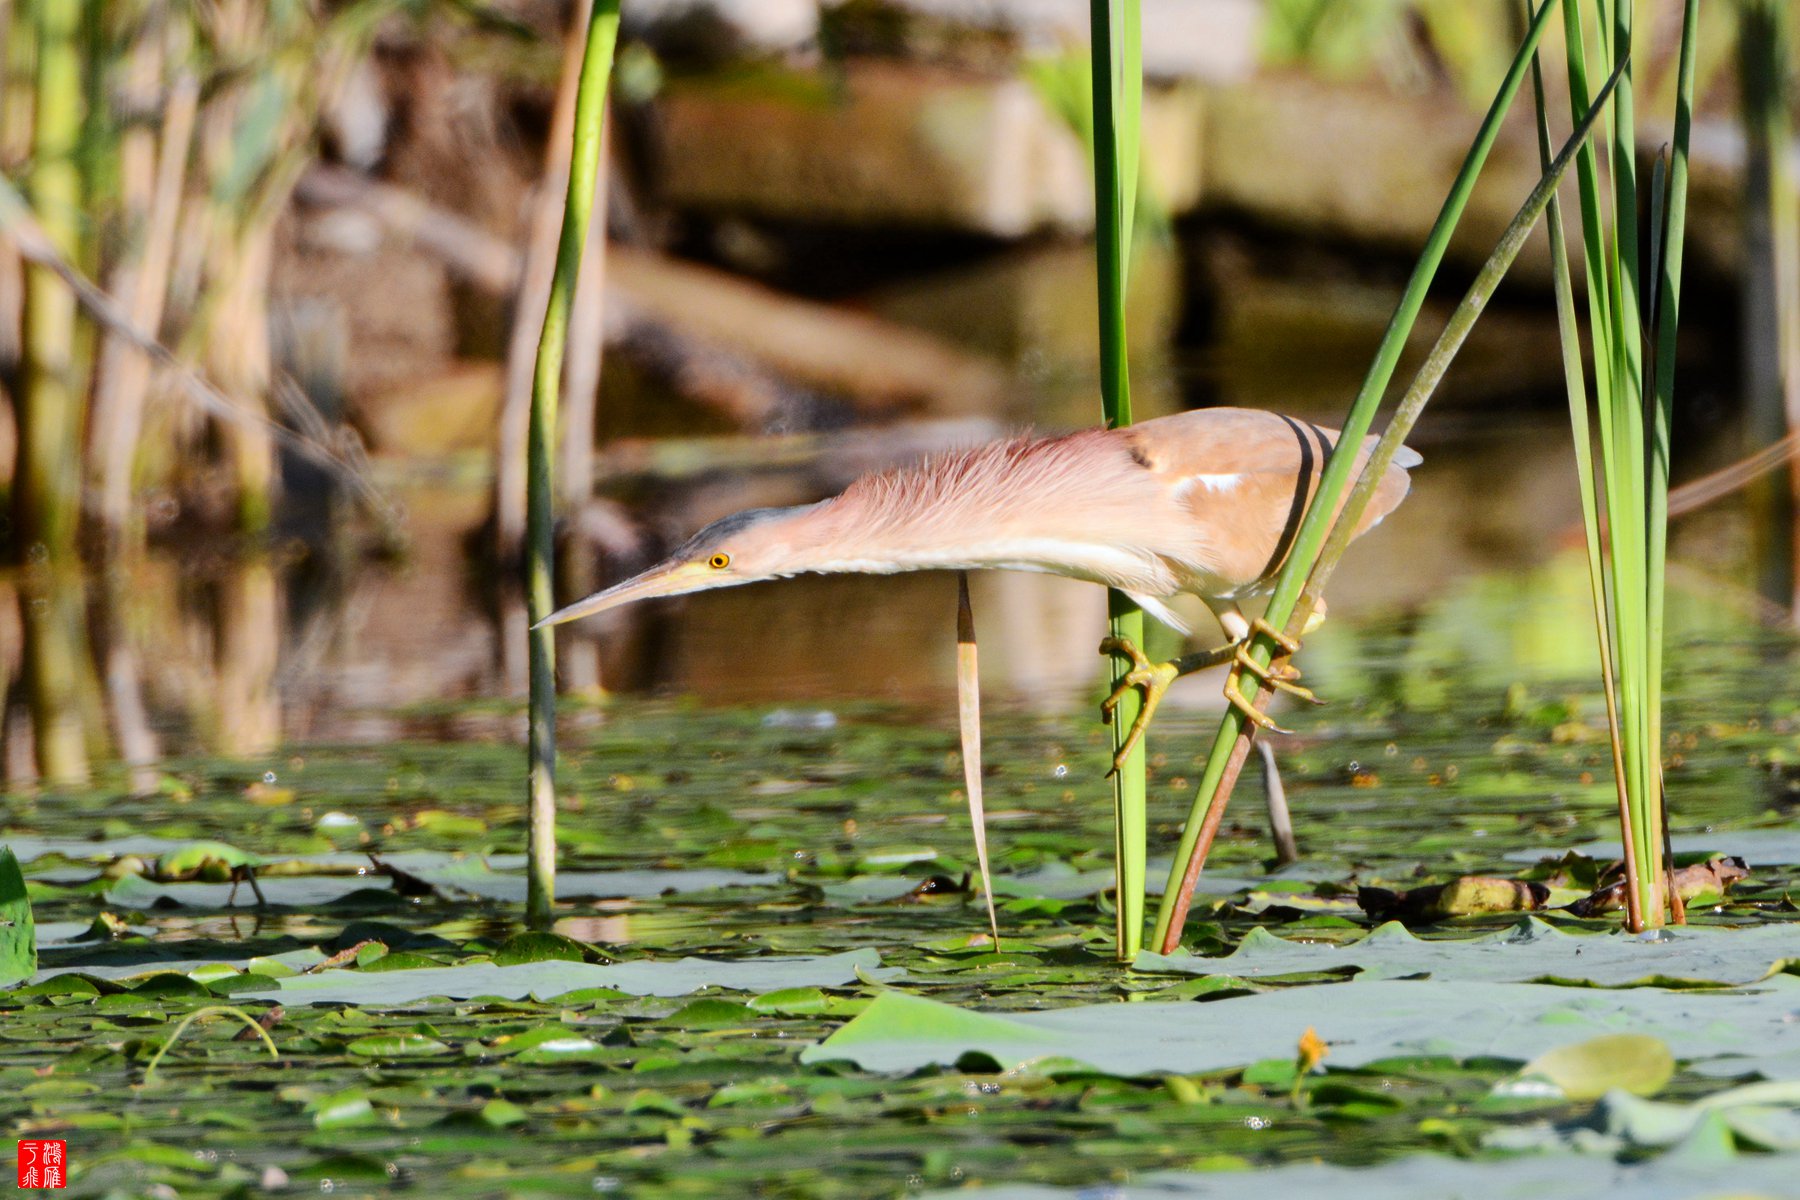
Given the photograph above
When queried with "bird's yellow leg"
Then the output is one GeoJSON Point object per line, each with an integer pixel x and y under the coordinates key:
{"type": "Point", "coordinates": [1154, 679]}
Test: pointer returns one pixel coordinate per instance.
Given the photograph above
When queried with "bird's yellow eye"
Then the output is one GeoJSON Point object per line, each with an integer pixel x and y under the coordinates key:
{"type": "Point", "coordinates": [719, 562]}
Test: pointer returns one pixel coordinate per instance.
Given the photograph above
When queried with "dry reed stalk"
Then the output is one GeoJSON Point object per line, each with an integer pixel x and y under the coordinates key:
{"type": "Point", "coordinates": [123, 386]}
{"type": "Point", "coordinates": [532, 299]}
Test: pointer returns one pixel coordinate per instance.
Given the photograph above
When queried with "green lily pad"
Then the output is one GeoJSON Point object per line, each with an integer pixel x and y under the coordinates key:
{"type": "Point", "coordinates": [1531, 950]}
{"type": "Point", "coordinates": [1758, 847]}
{"type": "Point", "coordinates": [18, 932]}
{"type": "Point", "coordinates": [209, 861]}
{"type": "Point", "coordinates": [299, 891]}
{"type": "Point", "coordinates": [1434, 1177]}
{"type": "Point", "coordinates": [483, 879]}
{"type": "Point", "coordinates": [544, 980]}
{"type": "Point", "coordinates": [135, 961]}
{"type": "Point", "coordinates": [397, 1045]}
{"type": "Point", "coordinates": [1361, 1023]}
{"type": "Point", "coordinates": [536, 945]}
{"type": "Point", "coordinates": [1764, 1114]}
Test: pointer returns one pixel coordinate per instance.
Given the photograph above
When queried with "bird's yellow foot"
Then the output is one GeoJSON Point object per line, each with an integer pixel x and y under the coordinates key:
{"type": "Point", "coordinates": [1277, 675]}
{"type": "Point", "coordinates": [1154, 679]}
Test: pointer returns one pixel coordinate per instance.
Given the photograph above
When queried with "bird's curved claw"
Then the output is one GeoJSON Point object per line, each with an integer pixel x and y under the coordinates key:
{"type": "Point", "coordinates": [1279, 676]}
{"type": "Point", "coordinates": [1253, 714]}
{"type": "Point", "coordinates": [1152, 678]}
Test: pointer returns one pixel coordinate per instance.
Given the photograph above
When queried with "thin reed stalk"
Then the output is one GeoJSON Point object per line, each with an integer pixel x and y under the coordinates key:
{"type": "Point", "coordinates": [1117, 102]}
{"type": "Point", "coordinates": [540, 593]}
{"type": "Point", "coordinates": [1231, 746]}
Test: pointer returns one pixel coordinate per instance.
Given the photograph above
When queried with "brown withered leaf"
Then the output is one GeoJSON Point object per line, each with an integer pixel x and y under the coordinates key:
{"type": "Point", "coordinates": [1713, 877]}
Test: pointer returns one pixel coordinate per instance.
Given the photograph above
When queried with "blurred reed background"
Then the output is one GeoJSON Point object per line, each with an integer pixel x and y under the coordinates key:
{"type": "Point", "coordinates": [272, 271]}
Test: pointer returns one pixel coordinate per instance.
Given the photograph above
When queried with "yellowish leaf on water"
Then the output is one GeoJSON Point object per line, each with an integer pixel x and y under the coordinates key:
{"type": "Point", "coordinates": [1631, 1062]}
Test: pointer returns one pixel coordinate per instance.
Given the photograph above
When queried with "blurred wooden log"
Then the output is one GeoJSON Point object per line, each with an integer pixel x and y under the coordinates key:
{"type": "Point", "coordinates": [733, 330]}
{"type": "Point", "coordinates": [467, 249]}
{"type": "Point", "coordinates": [875, 364]}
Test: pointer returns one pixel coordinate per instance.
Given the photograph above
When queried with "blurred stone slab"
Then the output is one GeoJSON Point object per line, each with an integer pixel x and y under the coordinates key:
{"type": "Point", "coordinates": [1364, 164]}
{"type": "Point", "coordinates": [1039, 301]}
{"type": "Point", "coordinates": [455, 410]}
{"type": "Point", "coordinates": [1263, 307]}
{"type": "Point", "coordinates": [900, 144]}
{"type": "Point", "coordinates": [1036, 308]}
{"type": "Point", "coordinates": [1212, 40]}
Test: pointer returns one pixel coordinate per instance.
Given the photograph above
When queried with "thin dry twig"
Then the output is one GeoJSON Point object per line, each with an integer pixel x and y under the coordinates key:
{"type": "Point", "coordinates": [968, 696]}
{"type": "Point", "coordinates": [16, 219]}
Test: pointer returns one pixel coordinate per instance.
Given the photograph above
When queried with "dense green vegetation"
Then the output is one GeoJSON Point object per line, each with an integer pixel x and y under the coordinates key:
{"type": "Point", "coordinates": [779, 837]}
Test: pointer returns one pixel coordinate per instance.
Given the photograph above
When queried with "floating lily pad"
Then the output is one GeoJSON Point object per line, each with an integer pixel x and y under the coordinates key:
{"type": "Point", "coordinates": [1531, 950]}
{"type": "Point", "coordinates": [298, 891]}
{"type": "Point", "coordinates": [1629, 1062]}
{"type": "Point", "coordinates": [1059, 881]}
{"type": "Point", "coordinates": [30, 846]}
{"type": "Point", "coordinates": [1361, 1023]}
{"type": "Point", "coordinates": [1764, 1115]}
{"type": "Point", "coordinates": [482, 880]}
{"type": "Point", "coordinates": [18, 932]}
{"type": "Point", "coordinates": [1758, 847]}
{"type": "Point", "coordinates": [131, 962]}
{"type": "Point", "coordinates": [1433, 1177]}
{"type": "Point", "coordinates": [544, 980]}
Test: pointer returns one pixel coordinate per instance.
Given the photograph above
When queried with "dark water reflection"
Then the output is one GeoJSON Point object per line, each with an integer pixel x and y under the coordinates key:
{"type": "Point", "coordinates": [231, 655]}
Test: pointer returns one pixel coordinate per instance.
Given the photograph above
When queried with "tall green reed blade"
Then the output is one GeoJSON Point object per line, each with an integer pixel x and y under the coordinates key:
{"type": "Point", "coordinates": [1672, 232]}
{"type": "Point", "coordinates": [1431, 372]}
{"type": "Point", "coordinates": [584, 168]}
{"type": "Point", "coordinates": [1575, 381]}
{"type": "Point", "coordinates": [1625, 503]}
{"type": "Point", "coordinates": [1627, 472]}
{"type": "Point", "coordinates": [1229, 749]}
{"type": "Point", "coordinates": [1117, 102]}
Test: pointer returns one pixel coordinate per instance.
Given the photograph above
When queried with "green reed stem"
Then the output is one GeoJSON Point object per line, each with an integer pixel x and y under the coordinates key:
{"type": "Point", "coordinates": [584, 169]}
{"type": "Point", "coordinates": [1315, 525]}
{"type": "Point", "coordinates": [1673, 232]}
{"type": "Point", "coordinates": [1575, 382]}
{"type": "Point", "coordinates": [211, 1010]}
{"type": "Point", "coordinates": [1117, 102]}
{"type": "Point", "coordinates": [1628, 470]}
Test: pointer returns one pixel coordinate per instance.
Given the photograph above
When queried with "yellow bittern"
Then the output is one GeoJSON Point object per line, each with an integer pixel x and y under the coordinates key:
{"type": "Point", "coordinates": [1204, 502]}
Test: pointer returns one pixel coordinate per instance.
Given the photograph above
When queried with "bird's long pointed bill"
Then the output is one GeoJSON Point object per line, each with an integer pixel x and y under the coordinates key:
{"type": "Point", "coordinates": [658, 581]}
